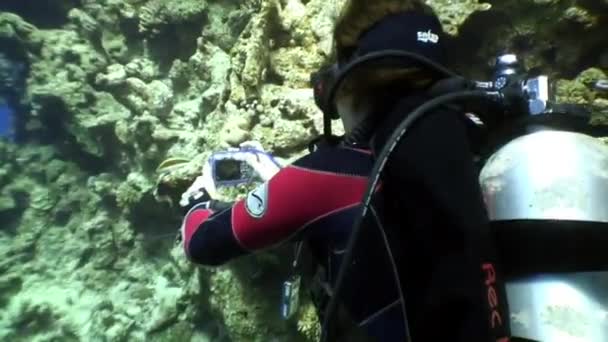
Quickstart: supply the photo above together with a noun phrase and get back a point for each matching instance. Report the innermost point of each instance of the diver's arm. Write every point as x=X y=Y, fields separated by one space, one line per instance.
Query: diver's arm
x=275 y=212
x=207 y=235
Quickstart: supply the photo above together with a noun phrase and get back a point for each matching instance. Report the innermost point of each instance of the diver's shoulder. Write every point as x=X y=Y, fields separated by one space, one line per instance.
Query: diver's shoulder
x=341 y=149
x=337 y=159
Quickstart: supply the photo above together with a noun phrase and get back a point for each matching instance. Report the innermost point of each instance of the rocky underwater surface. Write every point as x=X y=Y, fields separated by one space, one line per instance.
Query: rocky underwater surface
x=114 y=87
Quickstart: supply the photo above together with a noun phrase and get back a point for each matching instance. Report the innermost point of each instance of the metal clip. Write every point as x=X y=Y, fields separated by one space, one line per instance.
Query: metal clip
x=290 y=296
x=290 y=300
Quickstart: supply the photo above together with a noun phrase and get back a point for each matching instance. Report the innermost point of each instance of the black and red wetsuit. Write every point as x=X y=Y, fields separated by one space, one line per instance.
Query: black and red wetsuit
x=315 y=199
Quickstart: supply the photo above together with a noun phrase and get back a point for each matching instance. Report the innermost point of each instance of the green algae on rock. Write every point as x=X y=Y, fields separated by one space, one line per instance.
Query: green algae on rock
x=560 y=36
x=580 y=90
x=156 y=15
x=453 y=14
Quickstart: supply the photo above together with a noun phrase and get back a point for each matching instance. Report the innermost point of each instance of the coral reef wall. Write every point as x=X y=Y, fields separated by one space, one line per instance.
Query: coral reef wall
x=113 y=87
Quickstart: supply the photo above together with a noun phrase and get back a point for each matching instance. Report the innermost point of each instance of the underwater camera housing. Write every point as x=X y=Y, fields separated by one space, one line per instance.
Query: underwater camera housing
x=242 y=165
x=229 y=171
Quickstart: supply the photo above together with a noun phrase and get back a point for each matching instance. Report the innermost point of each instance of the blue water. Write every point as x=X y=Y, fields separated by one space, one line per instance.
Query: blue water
x=7 y=128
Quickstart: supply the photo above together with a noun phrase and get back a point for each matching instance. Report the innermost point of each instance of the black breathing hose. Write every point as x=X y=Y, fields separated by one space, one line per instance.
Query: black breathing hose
x=378 y=56
x=379 y=165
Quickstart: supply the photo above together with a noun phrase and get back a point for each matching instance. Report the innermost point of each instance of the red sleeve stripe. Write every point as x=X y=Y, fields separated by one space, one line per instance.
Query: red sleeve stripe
x=193 y=220
x=362 y=150
x=329 y=173
x=296 y=197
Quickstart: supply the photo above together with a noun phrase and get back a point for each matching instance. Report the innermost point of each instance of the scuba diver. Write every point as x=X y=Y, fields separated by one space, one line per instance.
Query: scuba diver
x=12 y=84
x=430 y=204
x=456 y=285
x=313 y=200
x=6 y=121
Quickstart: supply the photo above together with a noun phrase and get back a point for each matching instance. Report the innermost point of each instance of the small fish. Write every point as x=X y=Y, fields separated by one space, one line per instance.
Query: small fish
x=171 y=163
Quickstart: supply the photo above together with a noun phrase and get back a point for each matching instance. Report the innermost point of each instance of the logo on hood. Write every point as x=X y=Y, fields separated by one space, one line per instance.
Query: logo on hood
x=428 y=37
x=256 y=202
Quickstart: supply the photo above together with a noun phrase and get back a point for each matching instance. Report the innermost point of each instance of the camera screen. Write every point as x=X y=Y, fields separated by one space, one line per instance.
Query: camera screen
x=228 y=170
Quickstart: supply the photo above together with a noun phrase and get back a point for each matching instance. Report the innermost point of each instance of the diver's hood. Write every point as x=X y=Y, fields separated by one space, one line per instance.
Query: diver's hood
x=414 y=33
x=547 y=198
x=411 y=41
x=411 y=31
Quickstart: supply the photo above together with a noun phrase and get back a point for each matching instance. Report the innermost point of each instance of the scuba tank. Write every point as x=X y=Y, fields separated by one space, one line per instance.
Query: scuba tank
x=545 y=186
x=547 y=197
x=544 y=181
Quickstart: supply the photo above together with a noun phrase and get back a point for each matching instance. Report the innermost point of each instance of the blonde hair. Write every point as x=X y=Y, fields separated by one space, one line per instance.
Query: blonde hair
x=363 y=86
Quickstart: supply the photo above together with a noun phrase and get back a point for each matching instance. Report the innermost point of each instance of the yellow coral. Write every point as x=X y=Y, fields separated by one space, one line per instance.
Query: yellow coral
x=308 y=322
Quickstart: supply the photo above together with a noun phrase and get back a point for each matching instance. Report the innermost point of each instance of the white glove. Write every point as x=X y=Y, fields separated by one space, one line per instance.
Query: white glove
x=253 y=154
x=202 y=189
